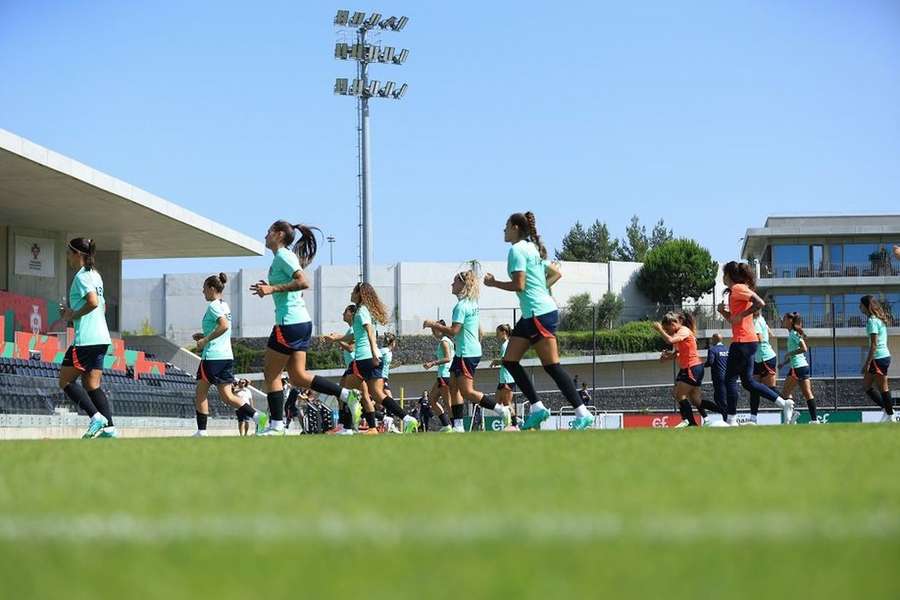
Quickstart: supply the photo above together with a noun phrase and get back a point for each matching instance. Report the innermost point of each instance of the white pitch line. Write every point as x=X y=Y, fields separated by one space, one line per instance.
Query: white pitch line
x=547 y=527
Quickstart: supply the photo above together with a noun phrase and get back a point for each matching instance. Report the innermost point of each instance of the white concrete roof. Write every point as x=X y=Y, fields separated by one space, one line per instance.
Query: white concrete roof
x=41 y=189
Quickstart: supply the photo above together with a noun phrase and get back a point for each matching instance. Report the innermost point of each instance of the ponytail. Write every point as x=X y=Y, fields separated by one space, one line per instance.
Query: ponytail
x=216 y=282
x=797 y=323
x=875 y=308
x=527 y=226
x=688 y=321
x=305 y=246
x=86 y=248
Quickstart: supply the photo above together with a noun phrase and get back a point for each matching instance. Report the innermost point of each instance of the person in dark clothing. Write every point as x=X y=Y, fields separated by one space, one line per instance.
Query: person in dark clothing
x=716 y=360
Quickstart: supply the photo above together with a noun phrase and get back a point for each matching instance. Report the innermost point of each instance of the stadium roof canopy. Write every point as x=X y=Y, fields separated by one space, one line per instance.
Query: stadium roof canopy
x=41 y=189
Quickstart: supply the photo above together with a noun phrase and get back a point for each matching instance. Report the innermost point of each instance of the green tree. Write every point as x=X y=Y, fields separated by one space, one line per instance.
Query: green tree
x=608 y=309
x=593 y=244
x=677 y=270
x=575 y=245
x=636 y=244
x=577 y=314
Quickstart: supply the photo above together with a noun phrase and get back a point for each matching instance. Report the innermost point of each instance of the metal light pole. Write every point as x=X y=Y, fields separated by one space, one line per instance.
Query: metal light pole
x=330 y=240
x=363 y=89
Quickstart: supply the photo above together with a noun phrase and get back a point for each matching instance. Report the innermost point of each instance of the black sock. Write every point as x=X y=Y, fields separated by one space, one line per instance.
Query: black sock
x=392 y=407
x=754 y=403
x=370 y=419
x=684 y=407
x=875 y=397
x=76 y=394
x=323 y=386
x=276 y=406
x=444 y=419
x=246 y=411
x=811 y=405
x=201 y=421
x=888 y=402
x=345 y=417
x=702 y=411
x=522 y=380
x=564 y=383
x=487 y=402
x=458 y=411
x=709 y=405
x=98 y=397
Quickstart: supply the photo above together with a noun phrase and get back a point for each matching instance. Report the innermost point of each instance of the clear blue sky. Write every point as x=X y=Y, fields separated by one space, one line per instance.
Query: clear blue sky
x=711 y=115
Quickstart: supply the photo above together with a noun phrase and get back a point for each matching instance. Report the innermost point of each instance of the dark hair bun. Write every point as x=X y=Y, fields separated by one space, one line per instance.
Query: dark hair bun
x=223 y=278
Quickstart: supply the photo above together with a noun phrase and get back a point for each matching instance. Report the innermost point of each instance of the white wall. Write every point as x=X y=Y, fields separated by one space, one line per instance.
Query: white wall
x=412 y=292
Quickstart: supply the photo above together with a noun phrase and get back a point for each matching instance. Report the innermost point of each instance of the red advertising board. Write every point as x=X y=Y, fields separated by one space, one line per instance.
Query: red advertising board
x=652 y=420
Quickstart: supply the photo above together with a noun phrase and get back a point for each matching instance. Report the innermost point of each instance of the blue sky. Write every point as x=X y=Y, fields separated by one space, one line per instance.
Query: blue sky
x=711 y=115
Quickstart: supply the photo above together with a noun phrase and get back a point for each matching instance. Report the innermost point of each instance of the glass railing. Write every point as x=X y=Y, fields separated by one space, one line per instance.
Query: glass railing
x=885 y=268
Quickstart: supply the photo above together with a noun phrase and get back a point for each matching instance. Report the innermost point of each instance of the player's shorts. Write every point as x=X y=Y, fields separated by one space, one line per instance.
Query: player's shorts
x=464 y=366
x=287 y=339
x=800 y=373
x=880 y=366
x=86 y=358
x=692 y=376
x=766 y=368
x=538 y=327
x=443 y=382
x=365 y=369
x=216 y=372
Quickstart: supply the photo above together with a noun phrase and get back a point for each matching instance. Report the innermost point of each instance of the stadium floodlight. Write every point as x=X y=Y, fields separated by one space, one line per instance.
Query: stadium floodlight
x=386 y=90
x=386 y=55
x=399 y=59
x=357 y=19
x=363 y=89
x=373 y=20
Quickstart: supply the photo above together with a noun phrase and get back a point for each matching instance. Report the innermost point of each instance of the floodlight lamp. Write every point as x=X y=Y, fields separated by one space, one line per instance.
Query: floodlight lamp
x=373 y=87
x=387 y=90
x=373 y=20
x=357 y=19
x=400 y=92
x=401 y=23
x=389 y=23
x=386 y=55
x=399 y=59
x=341 y=51
x=342 y=17
x=356 y=89
x=340 y=87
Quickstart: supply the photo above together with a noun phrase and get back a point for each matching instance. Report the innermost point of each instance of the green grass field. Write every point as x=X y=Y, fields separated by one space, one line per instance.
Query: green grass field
x=763 y=512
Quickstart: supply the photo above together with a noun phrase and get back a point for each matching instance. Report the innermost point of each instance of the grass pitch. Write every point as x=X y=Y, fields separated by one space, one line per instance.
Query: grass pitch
x=762 y=512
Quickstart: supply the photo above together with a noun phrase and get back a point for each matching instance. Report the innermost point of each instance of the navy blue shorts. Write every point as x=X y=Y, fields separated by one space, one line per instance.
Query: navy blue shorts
x=464 y=366
x=766 y=368
x=348 y=370
x=443 y=382
x=86 y=358
x=216 y=372
x=287 y=339
x=365 y=369
x=799 y=373
x=537 y=328
x=878 y=366
x=692 y=376
x=506 y=386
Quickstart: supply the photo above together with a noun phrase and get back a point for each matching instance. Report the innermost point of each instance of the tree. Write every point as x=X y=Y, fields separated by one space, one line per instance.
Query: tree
x=677 y=270
x=577 y=314
x=608 y=309
x=604 y=246
x=636 y=244
x=588 y=245
x=575 y=245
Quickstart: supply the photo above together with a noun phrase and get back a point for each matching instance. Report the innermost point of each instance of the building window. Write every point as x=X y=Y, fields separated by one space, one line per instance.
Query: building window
x=790 y=260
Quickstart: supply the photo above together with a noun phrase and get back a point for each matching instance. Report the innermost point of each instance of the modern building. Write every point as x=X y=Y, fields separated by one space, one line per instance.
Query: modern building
x=47 y=198
x=819 y=267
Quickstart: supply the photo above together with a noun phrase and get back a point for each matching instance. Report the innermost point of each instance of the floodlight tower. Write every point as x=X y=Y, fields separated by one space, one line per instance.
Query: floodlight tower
x=364 y=89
